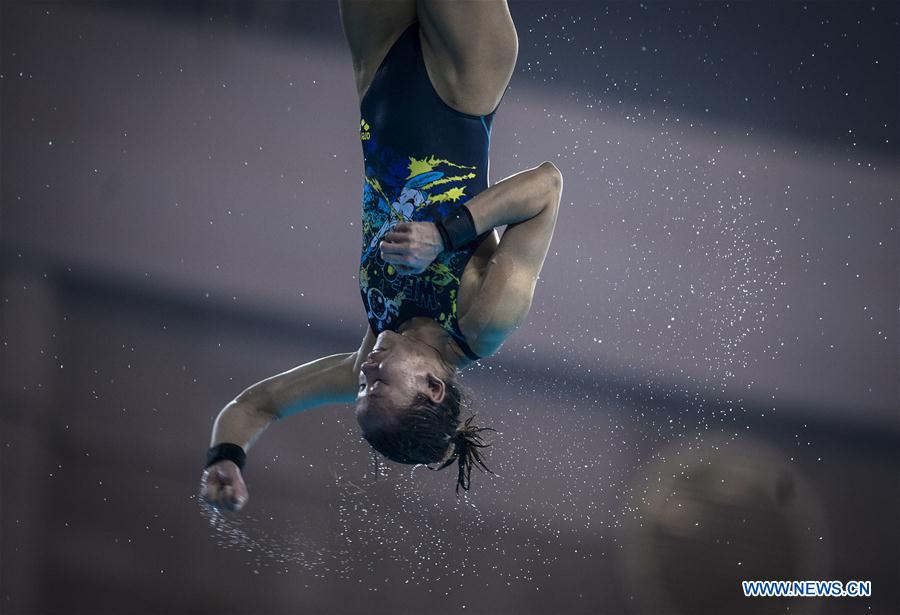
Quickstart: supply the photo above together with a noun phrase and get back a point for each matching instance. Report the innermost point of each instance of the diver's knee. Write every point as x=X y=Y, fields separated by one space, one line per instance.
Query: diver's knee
x=552 y=175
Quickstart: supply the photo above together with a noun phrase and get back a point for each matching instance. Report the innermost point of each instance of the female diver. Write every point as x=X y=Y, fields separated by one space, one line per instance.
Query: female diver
x=440 y=288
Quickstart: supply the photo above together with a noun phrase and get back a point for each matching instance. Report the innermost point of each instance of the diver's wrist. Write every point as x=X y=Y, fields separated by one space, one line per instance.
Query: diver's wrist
x=457 y=229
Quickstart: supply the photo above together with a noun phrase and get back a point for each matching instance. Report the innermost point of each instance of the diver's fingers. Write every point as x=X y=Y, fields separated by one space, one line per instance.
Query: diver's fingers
x=402 y=227
x=223 y=486
x=401 y=257
x=215 y=482
x=397 y=238
x=388 y=247
x=395 y=259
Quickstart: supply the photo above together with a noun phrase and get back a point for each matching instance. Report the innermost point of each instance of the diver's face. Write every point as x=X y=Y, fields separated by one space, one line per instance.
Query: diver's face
x=397 y=369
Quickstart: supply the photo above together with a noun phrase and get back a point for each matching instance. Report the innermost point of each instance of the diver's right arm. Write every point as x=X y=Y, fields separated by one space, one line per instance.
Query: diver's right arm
x=329 y=380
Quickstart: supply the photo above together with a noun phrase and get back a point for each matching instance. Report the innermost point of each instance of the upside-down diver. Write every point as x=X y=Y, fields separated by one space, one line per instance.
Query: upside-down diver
x=440 y=287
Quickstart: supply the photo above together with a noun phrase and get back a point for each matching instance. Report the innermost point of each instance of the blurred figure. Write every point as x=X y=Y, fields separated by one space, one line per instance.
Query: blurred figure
x=716 y=515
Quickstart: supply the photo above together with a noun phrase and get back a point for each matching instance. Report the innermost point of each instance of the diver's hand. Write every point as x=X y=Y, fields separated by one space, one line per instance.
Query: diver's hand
x=223 y=487
x=411 y=246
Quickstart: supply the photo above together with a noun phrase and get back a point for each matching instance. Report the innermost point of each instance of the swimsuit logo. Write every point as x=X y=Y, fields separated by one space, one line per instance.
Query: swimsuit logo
x=364 y=133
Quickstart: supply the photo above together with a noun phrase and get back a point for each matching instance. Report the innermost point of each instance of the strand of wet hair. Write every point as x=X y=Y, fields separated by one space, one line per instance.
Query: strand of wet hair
x=467 y=442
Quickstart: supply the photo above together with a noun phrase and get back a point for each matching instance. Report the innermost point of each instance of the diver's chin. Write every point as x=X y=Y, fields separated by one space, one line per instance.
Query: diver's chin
x=383 y=341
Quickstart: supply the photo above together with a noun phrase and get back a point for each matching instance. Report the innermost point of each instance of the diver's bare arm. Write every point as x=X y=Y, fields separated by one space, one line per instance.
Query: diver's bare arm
x=529 y=198
x=517 y=198
x=529 y=204
x=243 y=420
x=328 y=380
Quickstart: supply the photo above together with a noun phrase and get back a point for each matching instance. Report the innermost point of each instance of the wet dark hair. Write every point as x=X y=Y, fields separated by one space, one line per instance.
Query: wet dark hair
x=426 y=431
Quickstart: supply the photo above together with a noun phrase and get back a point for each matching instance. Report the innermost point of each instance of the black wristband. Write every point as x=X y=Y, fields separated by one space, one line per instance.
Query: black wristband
x=444 y=235
x=457 y=229
x=226 y=450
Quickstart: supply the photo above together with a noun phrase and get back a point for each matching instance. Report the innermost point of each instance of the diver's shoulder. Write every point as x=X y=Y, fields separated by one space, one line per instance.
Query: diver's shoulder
x=498 y=305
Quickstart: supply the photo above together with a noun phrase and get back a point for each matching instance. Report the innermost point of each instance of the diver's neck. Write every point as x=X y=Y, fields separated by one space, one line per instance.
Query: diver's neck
x=428 y=331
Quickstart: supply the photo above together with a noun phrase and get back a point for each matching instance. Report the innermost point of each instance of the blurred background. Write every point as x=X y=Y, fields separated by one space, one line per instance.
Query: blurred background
x=706 y=389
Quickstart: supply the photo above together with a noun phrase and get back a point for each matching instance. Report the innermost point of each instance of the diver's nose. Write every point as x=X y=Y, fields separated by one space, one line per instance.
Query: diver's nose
x=368 y=368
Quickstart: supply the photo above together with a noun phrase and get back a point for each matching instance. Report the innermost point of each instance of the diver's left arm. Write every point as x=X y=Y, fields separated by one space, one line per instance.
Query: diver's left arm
x=331 y=379
x=328 y=380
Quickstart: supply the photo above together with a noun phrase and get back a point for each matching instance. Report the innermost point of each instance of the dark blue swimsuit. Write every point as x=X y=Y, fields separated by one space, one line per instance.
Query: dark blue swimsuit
x=423 y=160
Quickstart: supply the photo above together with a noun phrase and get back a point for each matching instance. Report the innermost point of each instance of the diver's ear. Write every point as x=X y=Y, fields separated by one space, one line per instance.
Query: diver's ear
x=436 y=388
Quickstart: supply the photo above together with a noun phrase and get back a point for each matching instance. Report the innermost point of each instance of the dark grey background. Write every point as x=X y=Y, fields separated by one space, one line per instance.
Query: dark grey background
x=706 y=389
